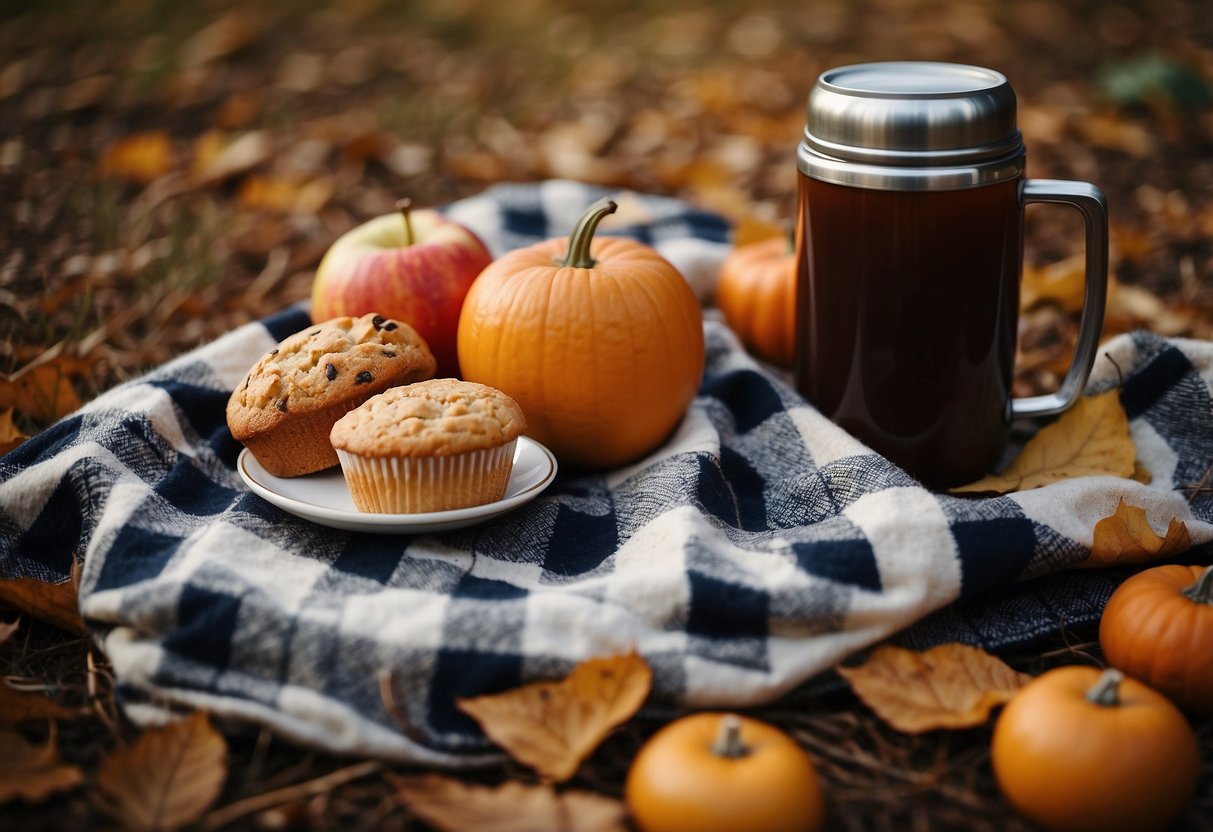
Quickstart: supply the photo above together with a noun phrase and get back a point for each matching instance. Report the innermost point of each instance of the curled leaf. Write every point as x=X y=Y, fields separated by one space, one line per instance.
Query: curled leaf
x=553 y=726
x=167 y=778
x=1127 y=538
x=17 y=706
x=1090 y=439
x=31 y=772
x=10 y=435
x=950 y=686
x=450 y=804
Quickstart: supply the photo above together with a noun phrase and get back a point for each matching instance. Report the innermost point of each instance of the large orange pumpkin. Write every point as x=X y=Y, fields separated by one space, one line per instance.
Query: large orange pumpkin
x=600 y=341
x=756 y=291
x=1158 y=627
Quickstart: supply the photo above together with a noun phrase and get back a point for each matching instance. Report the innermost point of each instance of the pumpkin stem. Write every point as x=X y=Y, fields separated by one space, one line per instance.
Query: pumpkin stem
x=579 y=241
x=1106 y=691
x=403 y=206
x=1201 y=592
x=728 y=741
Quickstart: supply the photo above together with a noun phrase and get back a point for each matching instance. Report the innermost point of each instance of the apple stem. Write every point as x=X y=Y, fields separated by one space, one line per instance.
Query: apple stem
x=403 y=206
x=578 y=256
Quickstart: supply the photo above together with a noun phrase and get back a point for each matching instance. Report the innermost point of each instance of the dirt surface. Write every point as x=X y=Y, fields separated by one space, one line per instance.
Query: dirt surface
x=169 y=171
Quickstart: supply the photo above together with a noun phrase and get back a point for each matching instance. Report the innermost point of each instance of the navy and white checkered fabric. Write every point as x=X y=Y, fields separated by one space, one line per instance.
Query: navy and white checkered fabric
x=759 y=547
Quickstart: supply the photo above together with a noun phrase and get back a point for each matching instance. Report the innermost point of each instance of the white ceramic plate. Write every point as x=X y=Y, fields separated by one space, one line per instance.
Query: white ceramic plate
x=324 y=498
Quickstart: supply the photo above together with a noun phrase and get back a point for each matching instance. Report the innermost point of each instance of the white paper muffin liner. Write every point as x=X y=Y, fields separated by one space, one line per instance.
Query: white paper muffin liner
x=408 y=485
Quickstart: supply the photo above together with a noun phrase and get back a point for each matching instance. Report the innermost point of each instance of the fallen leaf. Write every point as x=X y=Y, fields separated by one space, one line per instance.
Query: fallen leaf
x=217 y=159
x=1127 y=538
x=753 y=230
x=1062 y=282
x=168 y=778
x=17 y=706
x=31 y=772
x=450 y=804
x=553 y=726
x=1090 y=439
x=43 y=392
x=142 y=157
x=55 y=604
x=286 y=196
x=226 y=36
x=949 y=686
x=10 y=435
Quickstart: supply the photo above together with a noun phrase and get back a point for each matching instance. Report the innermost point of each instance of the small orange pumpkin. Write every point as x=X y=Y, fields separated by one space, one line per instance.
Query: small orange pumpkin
x=600 y=341
x=1158 y=627
x=756 y=291
x=1079 y=750
x=714 y=772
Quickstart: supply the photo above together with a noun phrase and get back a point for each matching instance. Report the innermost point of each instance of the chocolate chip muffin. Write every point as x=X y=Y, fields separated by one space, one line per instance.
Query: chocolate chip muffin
x=430 y=446
x=285 y=408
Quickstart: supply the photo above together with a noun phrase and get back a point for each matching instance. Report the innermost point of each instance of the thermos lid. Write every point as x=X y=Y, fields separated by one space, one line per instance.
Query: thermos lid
x=911 y=125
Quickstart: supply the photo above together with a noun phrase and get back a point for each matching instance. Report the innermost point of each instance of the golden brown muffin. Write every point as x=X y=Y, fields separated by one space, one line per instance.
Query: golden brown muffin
x=430 y=446
x=287 y=405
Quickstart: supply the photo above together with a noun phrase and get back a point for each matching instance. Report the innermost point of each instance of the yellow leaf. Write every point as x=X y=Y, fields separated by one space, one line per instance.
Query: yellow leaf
x=449 y=804
x=1090 y=439
x=753 y=230
x=167 y=778
x=143 y=157
x=10 y=435
x=31 y=772
x=950 y=686
x=1126 y=538
x=17 y=706
x=553 y=726
x=53 y=603
x=1061 y=282
x=286 y=196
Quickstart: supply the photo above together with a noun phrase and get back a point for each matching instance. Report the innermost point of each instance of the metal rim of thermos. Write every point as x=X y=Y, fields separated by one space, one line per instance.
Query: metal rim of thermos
x=942 y=138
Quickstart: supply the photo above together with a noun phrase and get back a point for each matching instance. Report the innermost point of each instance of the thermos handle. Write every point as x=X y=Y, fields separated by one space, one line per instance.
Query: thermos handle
x=1089 y=200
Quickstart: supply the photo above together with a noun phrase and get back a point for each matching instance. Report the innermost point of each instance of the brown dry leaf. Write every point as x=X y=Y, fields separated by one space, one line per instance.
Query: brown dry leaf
x=1127 y=538
x=168 y=778
x=10 y=435
x=285 y=196
x=43 y=392
x=143 y=157
x=31 y=772
x=450 y=804
x=949 y=686
x=1090 y=439
x=217 y=159
x=17 y=706
x=553 y=726
x=53 y=603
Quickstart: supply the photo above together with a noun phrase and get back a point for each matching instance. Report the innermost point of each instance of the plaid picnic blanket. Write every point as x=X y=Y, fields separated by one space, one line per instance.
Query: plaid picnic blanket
x=756 y=549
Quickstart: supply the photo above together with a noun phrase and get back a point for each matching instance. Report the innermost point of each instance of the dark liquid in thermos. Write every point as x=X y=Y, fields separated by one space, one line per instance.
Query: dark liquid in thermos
x=908 y=302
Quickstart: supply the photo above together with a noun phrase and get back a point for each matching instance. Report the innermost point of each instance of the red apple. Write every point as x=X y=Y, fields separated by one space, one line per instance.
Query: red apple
x=415 y=266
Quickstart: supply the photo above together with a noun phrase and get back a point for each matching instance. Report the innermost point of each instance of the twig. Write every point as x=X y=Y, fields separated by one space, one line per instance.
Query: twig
x=268 y=800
